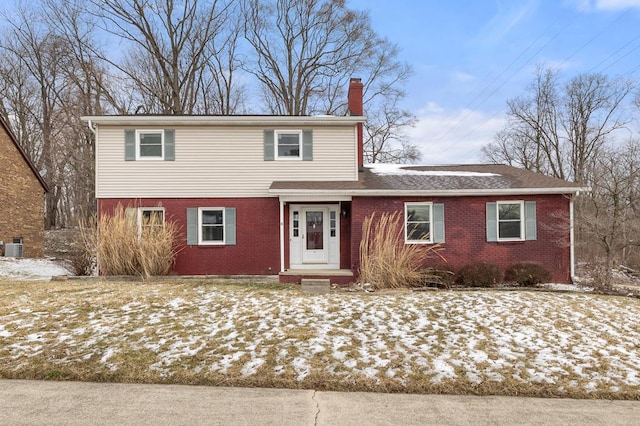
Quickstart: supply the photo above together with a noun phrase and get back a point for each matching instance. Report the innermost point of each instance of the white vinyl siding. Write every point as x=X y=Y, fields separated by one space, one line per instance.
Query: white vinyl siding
x=219 y=161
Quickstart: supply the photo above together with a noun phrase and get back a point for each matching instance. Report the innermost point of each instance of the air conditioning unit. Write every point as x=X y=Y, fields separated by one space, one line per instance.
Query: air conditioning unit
x=13 y=250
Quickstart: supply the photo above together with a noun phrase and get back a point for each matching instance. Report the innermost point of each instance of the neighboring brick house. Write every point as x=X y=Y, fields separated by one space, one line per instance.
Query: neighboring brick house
x=288 y=195
x=22 y=192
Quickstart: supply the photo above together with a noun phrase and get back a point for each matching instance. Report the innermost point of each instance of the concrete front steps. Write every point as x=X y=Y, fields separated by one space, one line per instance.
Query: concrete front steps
x=333 y=276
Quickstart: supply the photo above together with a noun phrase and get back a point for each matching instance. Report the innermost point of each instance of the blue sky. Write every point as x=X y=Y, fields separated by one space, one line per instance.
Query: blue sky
x=469 y=57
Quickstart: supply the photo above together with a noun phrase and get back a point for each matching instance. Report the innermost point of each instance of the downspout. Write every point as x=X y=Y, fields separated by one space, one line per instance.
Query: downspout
x=93 y=130
x=572 y=241
x=281 y=236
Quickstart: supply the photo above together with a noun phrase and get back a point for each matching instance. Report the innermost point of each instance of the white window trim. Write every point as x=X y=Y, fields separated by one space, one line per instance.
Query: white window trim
x=522 y=219
x=147 y=131
x=224 y=228
x=275 y=143
x=406 y=237
x=152 y=209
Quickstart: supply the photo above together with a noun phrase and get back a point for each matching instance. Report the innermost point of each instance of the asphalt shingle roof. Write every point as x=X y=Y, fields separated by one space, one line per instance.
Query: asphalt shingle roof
x=480 y=177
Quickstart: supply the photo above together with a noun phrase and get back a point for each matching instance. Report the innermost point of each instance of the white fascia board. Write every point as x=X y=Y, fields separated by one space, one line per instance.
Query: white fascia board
x=247 y=120
x=412 y=193
x=313 y=198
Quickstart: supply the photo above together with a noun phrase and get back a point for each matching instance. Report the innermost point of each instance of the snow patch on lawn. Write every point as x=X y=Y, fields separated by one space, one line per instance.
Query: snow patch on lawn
x=30 y=269
x=476 y=336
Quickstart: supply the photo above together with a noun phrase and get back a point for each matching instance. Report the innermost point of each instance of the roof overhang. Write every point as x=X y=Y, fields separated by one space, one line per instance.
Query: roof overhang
x=333 y=194
x=24 y=155
x=218 y=120
x=313 y=198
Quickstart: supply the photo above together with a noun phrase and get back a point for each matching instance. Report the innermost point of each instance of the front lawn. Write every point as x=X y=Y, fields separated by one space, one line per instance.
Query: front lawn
x=201 y=332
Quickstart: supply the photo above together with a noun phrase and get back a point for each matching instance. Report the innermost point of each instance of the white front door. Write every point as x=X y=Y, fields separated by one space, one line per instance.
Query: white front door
x=314 y=237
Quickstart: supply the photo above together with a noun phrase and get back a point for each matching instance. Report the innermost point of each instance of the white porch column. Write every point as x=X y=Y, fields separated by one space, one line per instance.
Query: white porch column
x=571 y=241
x=281 y=235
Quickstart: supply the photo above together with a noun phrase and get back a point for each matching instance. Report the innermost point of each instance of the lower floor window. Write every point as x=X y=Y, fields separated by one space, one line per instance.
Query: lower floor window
x=418 y=219
x=211 y=222
x=150 y=219
x=510 y=223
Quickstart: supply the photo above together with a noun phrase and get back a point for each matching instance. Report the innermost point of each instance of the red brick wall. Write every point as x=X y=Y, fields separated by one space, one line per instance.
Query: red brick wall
x=21 y=200
x=465 y=233
x=257 y=249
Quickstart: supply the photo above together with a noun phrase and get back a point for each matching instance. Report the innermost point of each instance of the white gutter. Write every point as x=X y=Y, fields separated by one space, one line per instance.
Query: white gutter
x=90 y=124
x=422 y=193
x=281 y=236
x=572 y=242
x=226 y=120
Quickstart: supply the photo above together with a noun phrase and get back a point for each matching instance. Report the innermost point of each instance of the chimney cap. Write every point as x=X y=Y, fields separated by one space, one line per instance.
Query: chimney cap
x=355 y=80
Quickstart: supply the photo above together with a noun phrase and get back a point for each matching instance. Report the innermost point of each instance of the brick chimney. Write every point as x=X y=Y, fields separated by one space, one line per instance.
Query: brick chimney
x=354 y=98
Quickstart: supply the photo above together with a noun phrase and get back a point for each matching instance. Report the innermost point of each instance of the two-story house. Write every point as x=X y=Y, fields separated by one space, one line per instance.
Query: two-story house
x=288 y=195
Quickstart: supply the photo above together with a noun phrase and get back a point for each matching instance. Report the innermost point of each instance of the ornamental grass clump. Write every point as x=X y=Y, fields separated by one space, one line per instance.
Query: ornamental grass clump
x=123 y=246
x=386 y=261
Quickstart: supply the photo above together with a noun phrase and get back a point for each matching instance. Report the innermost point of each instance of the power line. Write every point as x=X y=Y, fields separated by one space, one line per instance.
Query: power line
x=486 y=87
x=614 y=54
x=493 y=92
x=588 y=42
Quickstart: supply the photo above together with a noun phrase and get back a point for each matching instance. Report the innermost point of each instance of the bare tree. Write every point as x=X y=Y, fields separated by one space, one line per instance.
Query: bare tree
x=592 y=113
x=608 y=215
x=556 y=129
x=305 y=52
x=49 y=79
x=38 y=55
x=385 y=140
x=298 y=44
x=172 y=61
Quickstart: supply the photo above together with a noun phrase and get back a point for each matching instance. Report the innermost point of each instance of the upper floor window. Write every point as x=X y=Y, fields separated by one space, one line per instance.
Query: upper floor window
x=289 y=144
x=149 y=144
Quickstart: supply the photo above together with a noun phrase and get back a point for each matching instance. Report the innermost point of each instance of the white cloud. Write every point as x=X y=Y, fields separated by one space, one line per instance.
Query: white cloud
x=454 y=137
x=508 y=16
x=607 y=5
x=617 y=4
x=463 y=77
x=432 y=107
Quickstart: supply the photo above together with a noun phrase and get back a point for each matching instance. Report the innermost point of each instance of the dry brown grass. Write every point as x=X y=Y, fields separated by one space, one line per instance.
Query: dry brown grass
x=120 y=247
x=386 y=261
x=182 y=331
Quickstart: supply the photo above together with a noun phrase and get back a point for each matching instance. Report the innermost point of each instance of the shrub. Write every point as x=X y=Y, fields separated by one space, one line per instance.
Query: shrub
x=527 y=274
x=121 y=248
x=385 y=260
x=436 y=276
x=480 y=274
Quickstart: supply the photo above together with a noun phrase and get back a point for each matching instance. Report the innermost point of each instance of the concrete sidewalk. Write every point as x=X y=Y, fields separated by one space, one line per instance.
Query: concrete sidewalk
x=73 y=403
